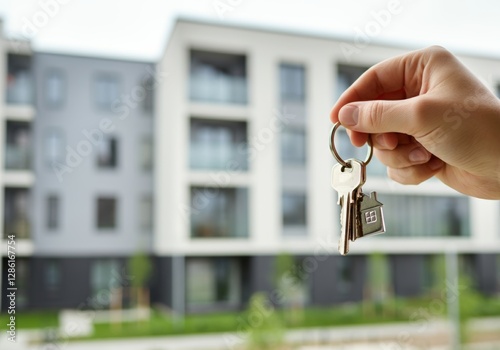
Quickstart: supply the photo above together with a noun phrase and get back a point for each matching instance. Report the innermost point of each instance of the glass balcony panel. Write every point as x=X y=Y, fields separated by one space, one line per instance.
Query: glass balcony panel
x=18 y=146
x=19 y=87
x=218 y=77
x=426 y=216
x=16 y=212
x=219 y=212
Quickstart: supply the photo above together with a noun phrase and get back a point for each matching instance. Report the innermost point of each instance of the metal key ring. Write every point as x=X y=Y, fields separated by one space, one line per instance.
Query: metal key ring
x=337 y=155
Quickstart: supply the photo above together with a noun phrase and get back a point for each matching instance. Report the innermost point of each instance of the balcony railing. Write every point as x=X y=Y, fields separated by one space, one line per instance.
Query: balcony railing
x=218 y=156
x=19 y=88
x=17 y=158
x=218 y=88
x=18 y=226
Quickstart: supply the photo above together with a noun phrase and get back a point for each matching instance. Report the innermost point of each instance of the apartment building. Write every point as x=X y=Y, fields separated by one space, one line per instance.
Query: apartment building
x=243 y=174
x=17 y=112
x=238 y=134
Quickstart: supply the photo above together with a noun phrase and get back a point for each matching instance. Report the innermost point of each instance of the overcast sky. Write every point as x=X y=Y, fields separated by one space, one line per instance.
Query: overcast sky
x=139 y=29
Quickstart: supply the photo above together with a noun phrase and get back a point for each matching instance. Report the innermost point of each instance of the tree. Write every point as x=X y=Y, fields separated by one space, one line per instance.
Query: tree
x=265 y=328
x=140 y=268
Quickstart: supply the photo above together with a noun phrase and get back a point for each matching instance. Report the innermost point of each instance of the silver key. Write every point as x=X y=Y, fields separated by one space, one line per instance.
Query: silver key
x=347 y=181
x=370 y=216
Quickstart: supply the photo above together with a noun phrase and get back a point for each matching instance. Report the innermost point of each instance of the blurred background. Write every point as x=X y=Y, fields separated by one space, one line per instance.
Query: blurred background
x=165 y=171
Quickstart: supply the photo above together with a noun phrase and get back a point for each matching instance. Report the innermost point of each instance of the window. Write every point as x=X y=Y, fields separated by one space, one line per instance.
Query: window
x=146 y=213
x=218 y=145
x=426 y=215
x=294 y=209
x=54 y=147
x=146 y=153
x=18 y=152
x=106 y=91
x=19 y=87
x=52 y=275
x=148 y=102
x=213 y=281
x=107 y=153
x=106 y=213
x=292 y=82
x=55 y=86
x=346 y=75
x=52 y=212
x=345 y=273
x=293 y=146
x=104 y=276
x=219 y=212
x=17 y=204
x=218 y=77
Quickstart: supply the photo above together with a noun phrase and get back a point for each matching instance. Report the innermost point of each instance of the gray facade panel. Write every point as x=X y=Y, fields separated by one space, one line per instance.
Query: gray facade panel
x=486 y=273
x=82 y=181
x=407 y=274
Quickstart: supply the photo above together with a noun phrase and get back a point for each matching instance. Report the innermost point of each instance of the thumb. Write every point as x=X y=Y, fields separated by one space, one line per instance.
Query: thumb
x=374 y=117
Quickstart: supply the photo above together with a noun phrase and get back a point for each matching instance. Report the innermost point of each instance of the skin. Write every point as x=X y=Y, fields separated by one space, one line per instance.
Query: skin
x=427 y=115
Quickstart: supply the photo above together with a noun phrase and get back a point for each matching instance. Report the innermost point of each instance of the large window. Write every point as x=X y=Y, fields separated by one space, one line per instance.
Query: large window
x=106 y=90
x=146 y=157
x=146 y=213
x=18 y=146
x=106 y=213
x=218 y=77
x=104 y=277
x=107 y=153
x=218 y=145
x=52 y=212
x=55 y=86
x=54 y=147
x=17 y=212
x=292 y=82
x=213 y=282
x=52 y=276
x=293 y=146
x=219 y=212
x=426 y=215
x=294 y=213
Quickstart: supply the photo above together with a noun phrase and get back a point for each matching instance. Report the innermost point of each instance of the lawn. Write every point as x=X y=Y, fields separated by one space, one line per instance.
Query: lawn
x=345 y=314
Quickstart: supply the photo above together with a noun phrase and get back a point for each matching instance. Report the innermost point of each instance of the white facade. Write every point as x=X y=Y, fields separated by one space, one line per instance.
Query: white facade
x=264 y=51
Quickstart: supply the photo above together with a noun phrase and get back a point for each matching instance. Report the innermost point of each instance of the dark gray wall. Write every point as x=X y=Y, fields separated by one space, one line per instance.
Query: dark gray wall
x=407 y=274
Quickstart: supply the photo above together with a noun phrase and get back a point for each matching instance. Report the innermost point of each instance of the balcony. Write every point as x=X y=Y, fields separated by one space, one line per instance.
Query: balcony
x=217 y=78
x=16 y=213
x=19 y=87
x=219 y=212
x=18 y=153
x=426 y=216
x=218 y=145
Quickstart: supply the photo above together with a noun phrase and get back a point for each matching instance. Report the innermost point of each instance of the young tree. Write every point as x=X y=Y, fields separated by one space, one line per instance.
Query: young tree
x=140 y=270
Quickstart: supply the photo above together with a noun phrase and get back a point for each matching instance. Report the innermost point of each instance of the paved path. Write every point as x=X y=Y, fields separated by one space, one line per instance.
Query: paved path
x=396 y=336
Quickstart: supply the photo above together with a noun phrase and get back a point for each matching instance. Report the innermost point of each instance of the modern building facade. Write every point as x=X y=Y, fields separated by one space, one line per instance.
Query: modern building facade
x=237 y=132
x=246 y=110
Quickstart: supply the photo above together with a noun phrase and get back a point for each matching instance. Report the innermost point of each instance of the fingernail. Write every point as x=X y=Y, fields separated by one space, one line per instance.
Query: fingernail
x=348 y=115
x=435 y=163
x=418 y=155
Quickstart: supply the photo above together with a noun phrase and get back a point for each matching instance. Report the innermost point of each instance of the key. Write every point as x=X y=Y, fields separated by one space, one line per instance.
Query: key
x=370 y=216
x=347 y=181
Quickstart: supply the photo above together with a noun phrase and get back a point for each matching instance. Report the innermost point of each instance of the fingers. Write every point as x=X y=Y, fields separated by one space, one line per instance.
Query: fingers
x=396 y=78
x=413 y=175
x=403 y=156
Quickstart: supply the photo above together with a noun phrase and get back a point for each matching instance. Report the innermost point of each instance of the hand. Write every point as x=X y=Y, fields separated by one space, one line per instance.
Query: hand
x=428 y=116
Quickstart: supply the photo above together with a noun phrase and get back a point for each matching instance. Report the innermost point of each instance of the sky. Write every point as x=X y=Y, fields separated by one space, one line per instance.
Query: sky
x=134 y=29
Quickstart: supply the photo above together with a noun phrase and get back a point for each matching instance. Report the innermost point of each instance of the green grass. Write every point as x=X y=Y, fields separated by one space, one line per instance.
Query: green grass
x=31 y=320
x=396 y=310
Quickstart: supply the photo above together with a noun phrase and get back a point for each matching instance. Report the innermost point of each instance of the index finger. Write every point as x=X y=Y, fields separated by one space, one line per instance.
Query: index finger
x=396 y=78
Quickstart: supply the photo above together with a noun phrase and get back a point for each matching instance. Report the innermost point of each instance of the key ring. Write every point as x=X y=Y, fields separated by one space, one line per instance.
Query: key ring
x=337 y=155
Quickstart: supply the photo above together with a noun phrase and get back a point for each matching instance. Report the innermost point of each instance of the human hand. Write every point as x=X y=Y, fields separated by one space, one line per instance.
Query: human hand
x=428 y=116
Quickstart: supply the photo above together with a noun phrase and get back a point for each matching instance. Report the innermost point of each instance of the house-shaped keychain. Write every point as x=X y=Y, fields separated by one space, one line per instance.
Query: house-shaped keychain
x=371 y=216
